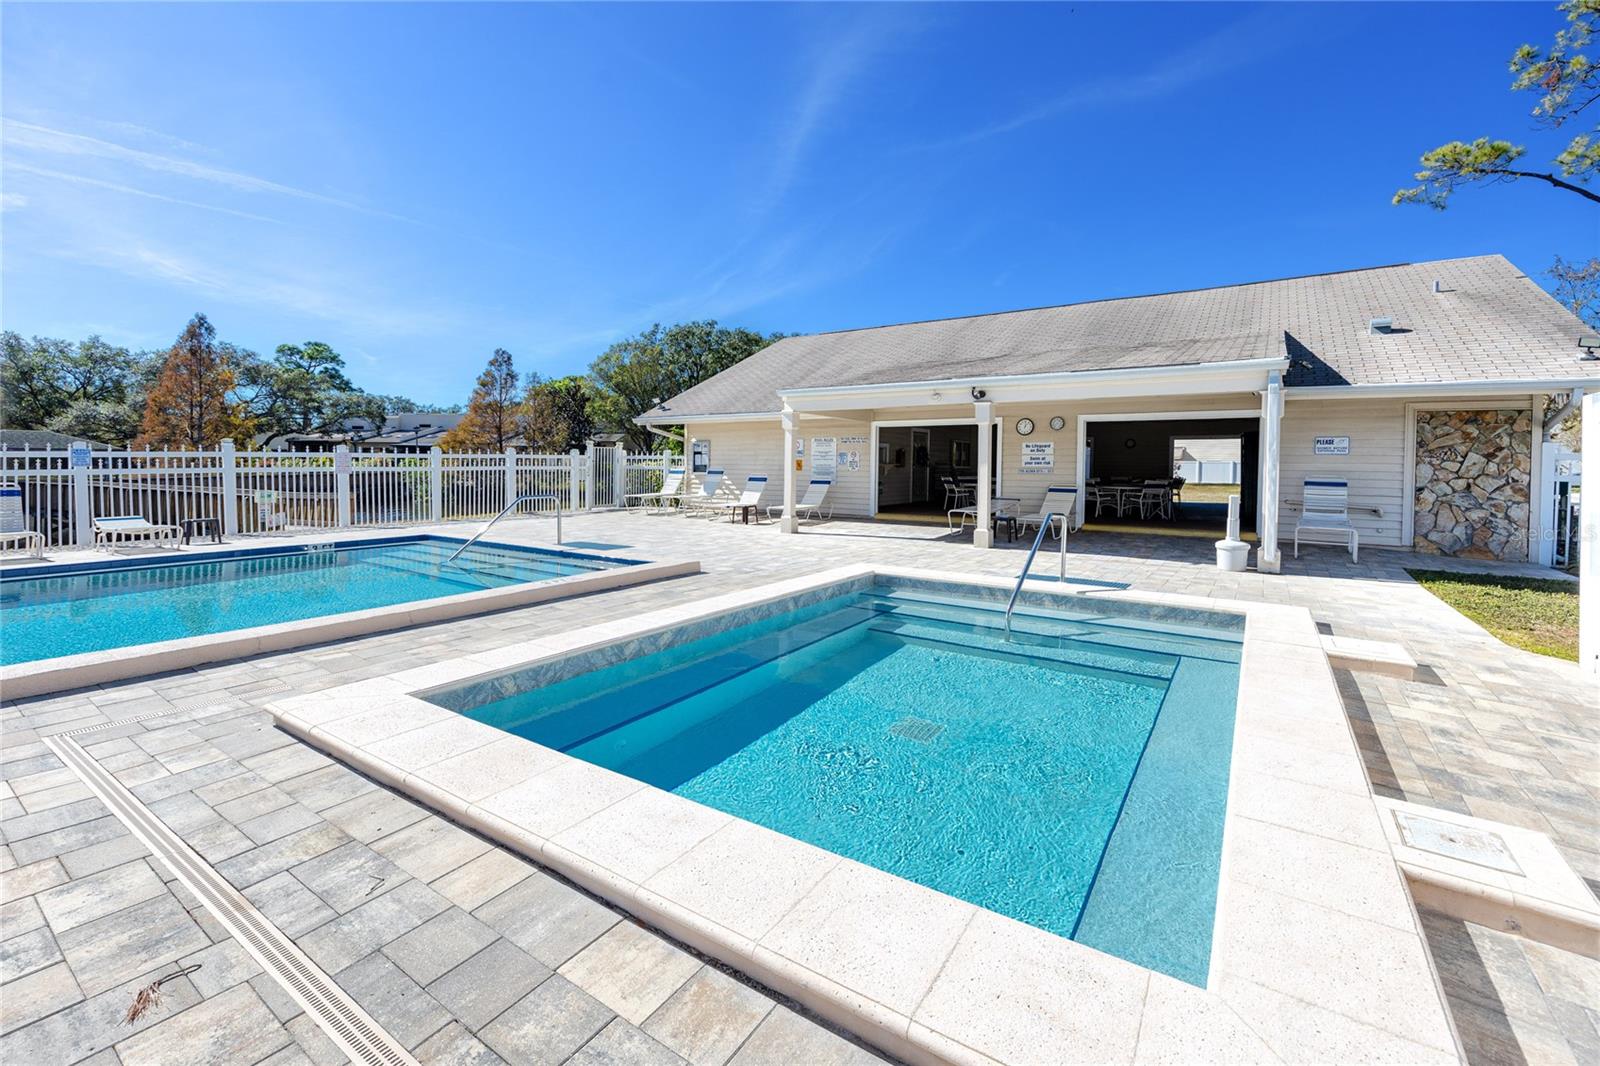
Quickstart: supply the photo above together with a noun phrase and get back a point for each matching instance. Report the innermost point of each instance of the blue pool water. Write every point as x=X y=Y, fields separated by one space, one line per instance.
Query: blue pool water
x=1075 y=778
x=123 y=605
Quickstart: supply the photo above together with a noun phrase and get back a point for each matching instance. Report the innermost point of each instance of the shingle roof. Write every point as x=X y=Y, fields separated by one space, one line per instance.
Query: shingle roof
x=43 y=438
x=1488 y=321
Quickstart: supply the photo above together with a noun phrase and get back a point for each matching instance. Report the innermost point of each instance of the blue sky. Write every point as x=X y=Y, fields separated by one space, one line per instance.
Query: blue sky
x=418 y=184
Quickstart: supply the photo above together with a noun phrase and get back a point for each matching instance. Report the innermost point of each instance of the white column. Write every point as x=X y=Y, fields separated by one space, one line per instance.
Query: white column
x=1267 y=557
x=575 y=480
x=982 y=534
x=230 y=488
x=82 y=508
x=435 y=484
x=1589 y=543
x=341 y=483
x=789 y=523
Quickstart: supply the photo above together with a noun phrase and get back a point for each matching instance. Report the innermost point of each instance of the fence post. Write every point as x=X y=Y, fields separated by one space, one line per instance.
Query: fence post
x=230 y=489
x=511 y=475
x=435 y=484
x=619 y=474
x=82 y=513
x=574 y=484
x=341 y=482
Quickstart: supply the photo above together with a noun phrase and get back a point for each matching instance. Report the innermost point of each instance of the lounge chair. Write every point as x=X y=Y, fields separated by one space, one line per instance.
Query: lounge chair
x=703 y=494
x=1325 y=508
x=117 y=529
x=812 y=501
x=13 y=524
x=1060 y=503
x=671 y=489
x=748 y=503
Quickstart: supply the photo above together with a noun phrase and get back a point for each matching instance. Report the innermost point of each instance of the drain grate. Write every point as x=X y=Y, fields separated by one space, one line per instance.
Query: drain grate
x=918 y=729
x=363 y=1039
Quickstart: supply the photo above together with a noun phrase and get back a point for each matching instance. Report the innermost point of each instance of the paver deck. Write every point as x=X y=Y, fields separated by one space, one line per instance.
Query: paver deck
x=468 y=953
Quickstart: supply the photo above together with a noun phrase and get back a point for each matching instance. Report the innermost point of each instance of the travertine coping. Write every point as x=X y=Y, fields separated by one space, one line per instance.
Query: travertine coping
x=1317 y=953
x=1547 y=901
x=44 y=676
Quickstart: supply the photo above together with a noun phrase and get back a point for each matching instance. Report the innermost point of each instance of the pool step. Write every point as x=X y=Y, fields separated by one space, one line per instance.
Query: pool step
x=1032 y=647
x=1036 y=623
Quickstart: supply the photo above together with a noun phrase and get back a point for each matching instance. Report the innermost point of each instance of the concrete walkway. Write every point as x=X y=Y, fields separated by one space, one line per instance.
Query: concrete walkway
x=469 y=953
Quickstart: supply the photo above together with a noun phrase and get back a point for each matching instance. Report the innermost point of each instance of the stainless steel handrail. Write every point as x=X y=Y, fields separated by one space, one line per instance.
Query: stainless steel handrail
x=1044 y=527
x=513 y=505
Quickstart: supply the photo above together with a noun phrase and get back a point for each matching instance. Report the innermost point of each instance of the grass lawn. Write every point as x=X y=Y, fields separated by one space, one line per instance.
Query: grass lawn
x=1529 y=613
x=1193 y=493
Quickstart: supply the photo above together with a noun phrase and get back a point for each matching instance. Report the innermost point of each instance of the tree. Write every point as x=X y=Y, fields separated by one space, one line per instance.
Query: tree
x=492 y=411
x=556 y=415
x=1577 y=288
x=636 y=374
x=192 y=403
x=82 y=388
x=394 y=405
x=1569 y=83
x=304 y=390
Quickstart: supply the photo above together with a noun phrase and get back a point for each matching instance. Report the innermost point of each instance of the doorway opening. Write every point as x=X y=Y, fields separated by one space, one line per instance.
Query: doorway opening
x=924 y=471
x=1170 y=476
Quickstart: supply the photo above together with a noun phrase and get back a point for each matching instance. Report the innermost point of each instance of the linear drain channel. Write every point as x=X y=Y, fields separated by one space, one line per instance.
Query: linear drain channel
x=363 y=1039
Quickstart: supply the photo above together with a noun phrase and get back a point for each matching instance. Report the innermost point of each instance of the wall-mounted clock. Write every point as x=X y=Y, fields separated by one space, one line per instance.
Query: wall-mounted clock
x=1024 y=426
x=1058 y=423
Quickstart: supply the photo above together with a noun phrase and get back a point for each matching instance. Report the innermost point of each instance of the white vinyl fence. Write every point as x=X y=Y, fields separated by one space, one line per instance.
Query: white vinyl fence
x=1209 y=472
x=63 y=490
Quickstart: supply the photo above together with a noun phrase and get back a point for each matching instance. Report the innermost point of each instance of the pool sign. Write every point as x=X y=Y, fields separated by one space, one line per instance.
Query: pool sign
x=266 y=497
x=1038 y=456
x=80 y=455
x=824 y=456
x=1332 y=446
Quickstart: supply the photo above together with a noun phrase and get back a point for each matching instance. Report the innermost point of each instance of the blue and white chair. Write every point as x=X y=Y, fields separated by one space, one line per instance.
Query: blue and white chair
x=811 y=502
x=1325 y=508
x=671 y=489
x=1060 y=505
x=704 y=493
x=14 y=531
x=749 y=501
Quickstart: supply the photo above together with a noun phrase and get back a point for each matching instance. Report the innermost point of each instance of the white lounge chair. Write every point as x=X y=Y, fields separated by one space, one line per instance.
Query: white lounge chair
x=1060 y=502
x=812 y=501
x=749 y=501
x=704 y=493
x=119 y=529
x=1325 y=508
x=14 y=529
x=671 y=489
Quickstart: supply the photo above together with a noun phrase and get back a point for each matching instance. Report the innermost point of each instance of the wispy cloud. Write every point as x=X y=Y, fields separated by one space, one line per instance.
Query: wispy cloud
x=30 y=136
x=1244 y=41
x=12 y=201
x=129 y=190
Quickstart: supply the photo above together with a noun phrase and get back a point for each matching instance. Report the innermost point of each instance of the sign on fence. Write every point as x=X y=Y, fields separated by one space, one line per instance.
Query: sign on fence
x=82 y=455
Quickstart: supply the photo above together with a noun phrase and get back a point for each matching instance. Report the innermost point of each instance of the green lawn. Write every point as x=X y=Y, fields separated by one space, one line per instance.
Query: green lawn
x=1208 y=493
x=1531 y=613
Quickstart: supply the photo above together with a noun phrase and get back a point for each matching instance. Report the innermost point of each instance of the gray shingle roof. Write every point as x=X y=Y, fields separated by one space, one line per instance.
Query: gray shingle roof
x=1489 y=321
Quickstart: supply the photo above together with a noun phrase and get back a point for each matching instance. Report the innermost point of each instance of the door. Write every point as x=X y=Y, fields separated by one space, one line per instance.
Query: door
x=921 y=471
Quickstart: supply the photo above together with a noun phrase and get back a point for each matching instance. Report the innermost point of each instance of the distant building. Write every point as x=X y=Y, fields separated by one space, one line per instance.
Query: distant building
x=407 y=431
x=39 y=439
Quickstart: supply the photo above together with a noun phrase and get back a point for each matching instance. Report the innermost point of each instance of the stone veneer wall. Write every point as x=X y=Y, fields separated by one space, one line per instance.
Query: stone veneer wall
x=1474 y=469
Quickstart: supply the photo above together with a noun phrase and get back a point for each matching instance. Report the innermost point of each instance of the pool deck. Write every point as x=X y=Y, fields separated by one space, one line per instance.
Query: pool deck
x=88 y=917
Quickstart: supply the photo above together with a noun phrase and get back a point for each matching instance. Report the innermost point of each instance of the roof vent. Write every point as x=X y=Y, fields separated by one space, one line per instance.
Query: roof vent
x=1438 y=286
x=1380 y=325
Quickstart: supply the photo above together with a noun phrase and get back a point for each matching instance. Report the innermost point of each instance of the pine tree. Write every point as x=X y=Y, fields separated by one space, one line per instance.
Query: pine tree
x=192 y=403
x=493 y=412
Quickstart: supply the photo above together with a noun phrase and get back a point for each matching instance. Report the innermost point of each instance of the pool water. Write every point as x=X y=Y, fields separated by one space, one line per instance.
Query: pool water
x=140 y=603
x=1074 y=778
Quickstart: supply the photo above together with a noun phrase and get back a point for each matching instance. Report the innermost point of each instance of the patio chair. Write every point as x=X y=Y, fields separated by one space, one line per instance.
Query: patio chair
x=1156 y=499
x=13 y=524
x=955 y=495
x=1325 y=508
x=704 y=494
x=671 y=489
x=748 y=502
x=113 y=530
x=1060 y=503
x=812 y=501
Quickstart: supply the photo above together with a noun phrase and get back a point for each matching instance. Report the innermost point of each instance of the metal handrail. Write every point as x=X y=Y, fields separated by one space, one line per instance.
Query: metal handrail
x=513 y=505
x=1044 y=527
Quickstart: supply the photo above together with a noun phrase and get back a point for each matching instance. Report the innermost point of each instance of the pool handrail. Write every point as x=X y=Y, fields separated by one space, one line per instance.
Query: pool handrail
x=1044 y=527
x=509 y=508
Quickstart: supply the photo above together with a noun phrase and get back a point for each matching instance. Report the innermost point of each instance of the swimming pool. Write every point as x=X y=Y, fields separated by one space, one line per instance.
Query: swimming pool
x=1074 y=778
x=108 y=605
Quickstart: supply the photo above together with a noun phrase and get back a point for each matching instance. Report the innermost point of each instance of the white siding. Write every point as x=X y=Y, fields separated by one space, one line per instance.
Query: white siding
x=1375 y=467
x=745 y=448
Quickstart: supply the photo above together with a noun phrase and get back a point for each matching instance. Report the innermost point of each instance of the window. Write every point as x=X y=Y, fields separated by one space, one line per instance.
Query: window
x=961 y=453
